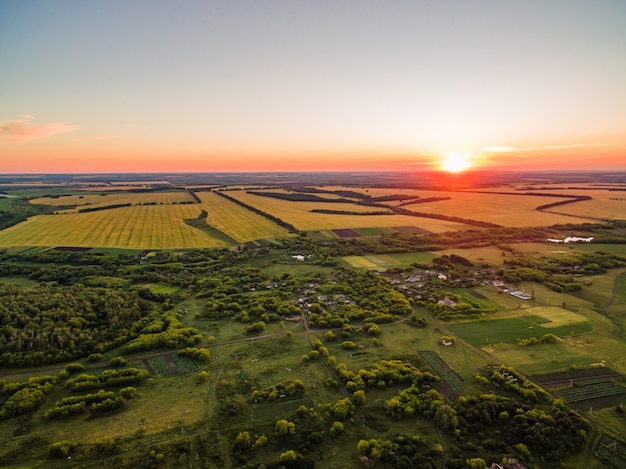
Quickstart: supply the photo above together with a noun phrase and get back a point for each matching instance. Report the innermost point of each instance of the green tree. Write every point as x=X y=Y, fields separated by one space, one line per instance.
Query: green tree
x=284 y=427
x=243 y=441
x=336 y=428
x=475 y=463
x=289 y=455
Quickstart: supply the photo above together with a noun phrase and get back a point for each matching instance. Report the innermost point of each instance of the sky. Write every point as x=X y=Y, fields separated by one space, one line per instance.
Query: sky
x=265 y=85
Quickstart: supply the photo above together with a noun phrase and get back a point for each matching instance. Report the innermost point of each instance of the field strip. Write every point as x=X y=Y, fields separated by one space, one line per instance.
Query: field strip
x=236 y=221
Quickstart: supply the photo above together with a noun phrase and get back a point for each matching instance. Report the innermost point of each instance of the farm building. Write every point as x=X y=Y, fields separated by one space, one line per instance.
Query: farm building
x=521 y=295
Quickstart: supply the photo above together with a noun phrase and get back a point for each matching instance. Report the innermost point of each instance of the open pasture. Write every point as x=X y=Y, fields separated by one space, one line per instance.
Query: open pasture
x=5 y=203
x=507 y=331
x=145 y=227
x=238 y=222
x=383 y=262
x=541 y=358
x=170 y=364
x=299 y=214
x=555 y=316
x=106 y=199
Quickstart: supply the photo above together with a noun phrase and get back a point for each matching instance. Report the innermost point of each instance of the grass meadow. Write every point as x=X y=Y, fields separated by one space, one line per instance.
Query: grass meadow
x=5 y=203
x=542 y=358
x=383 y=262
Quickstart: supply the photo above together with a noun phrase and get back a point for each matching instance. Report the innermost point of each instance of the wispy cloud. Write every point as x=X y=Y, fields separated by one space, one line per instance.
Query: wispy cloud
x=509 y=149
x=97 y=138
x=499 y=149
x=22 y=131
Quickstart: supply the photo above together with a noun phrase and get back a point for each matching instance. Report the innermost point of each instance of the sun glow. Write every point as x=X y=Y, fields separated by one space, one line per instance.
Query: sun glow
x=456 y=162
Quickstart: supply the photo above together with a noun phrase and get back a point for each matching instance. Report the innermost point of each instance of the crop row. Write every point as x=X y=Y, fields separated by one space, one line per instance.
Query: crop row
x=592 y=391
x=578 y=376
x=611 y=451
x=447 y=374
x=167 y=365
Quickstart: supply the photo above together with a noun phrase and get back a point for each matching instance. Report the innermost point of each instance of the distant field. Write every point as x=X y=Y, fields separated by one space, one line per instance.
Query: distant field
x=238 y=222
x=604 y=208
x=141 y=227
x=92 y=201
x=502 y=209
x=4 y=203
x=299 y=215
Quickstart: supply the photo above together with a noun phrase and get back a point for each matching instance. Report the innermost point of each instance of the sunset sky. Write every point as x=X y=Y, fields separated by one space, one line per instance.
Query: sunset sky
x=265 y=85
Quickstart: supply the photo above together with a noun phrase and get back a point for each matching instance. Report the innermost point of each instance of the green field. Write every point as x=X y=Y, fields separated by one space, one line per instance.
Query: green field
x=555 y=316
x=509 y=330
x=383 y=262
x=542 y=358
x=5 y=203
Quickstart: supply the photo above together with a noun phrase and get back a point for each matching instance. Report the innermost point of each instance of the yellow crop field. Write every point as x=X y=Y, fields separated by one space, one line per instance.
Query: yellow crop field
x=360 y=262
x=96 y=200
x=238 y=222
x=501 y=209
x=299 y=215
x=604 y=204
x=142 y=227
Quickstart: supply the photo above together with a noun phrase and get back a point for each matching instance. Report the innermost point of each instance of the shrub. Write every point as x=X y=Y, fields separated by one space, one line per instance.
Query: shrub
x=61 y=449
x=119 y=361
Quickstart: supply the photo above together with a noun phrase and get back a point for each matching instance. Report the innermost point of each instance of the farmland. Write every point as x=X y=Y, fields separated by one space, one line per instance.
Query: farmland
x=236 y=221
x=512 y=329
x=105 y=199
x=453 y=382
x=146 y=227
x=322 y=339
x=299 y=214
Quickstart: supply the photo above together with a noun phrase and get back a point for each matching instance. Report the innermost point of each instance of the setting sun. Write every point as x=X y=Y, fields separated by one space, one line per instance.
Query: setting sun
x=456 y=162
